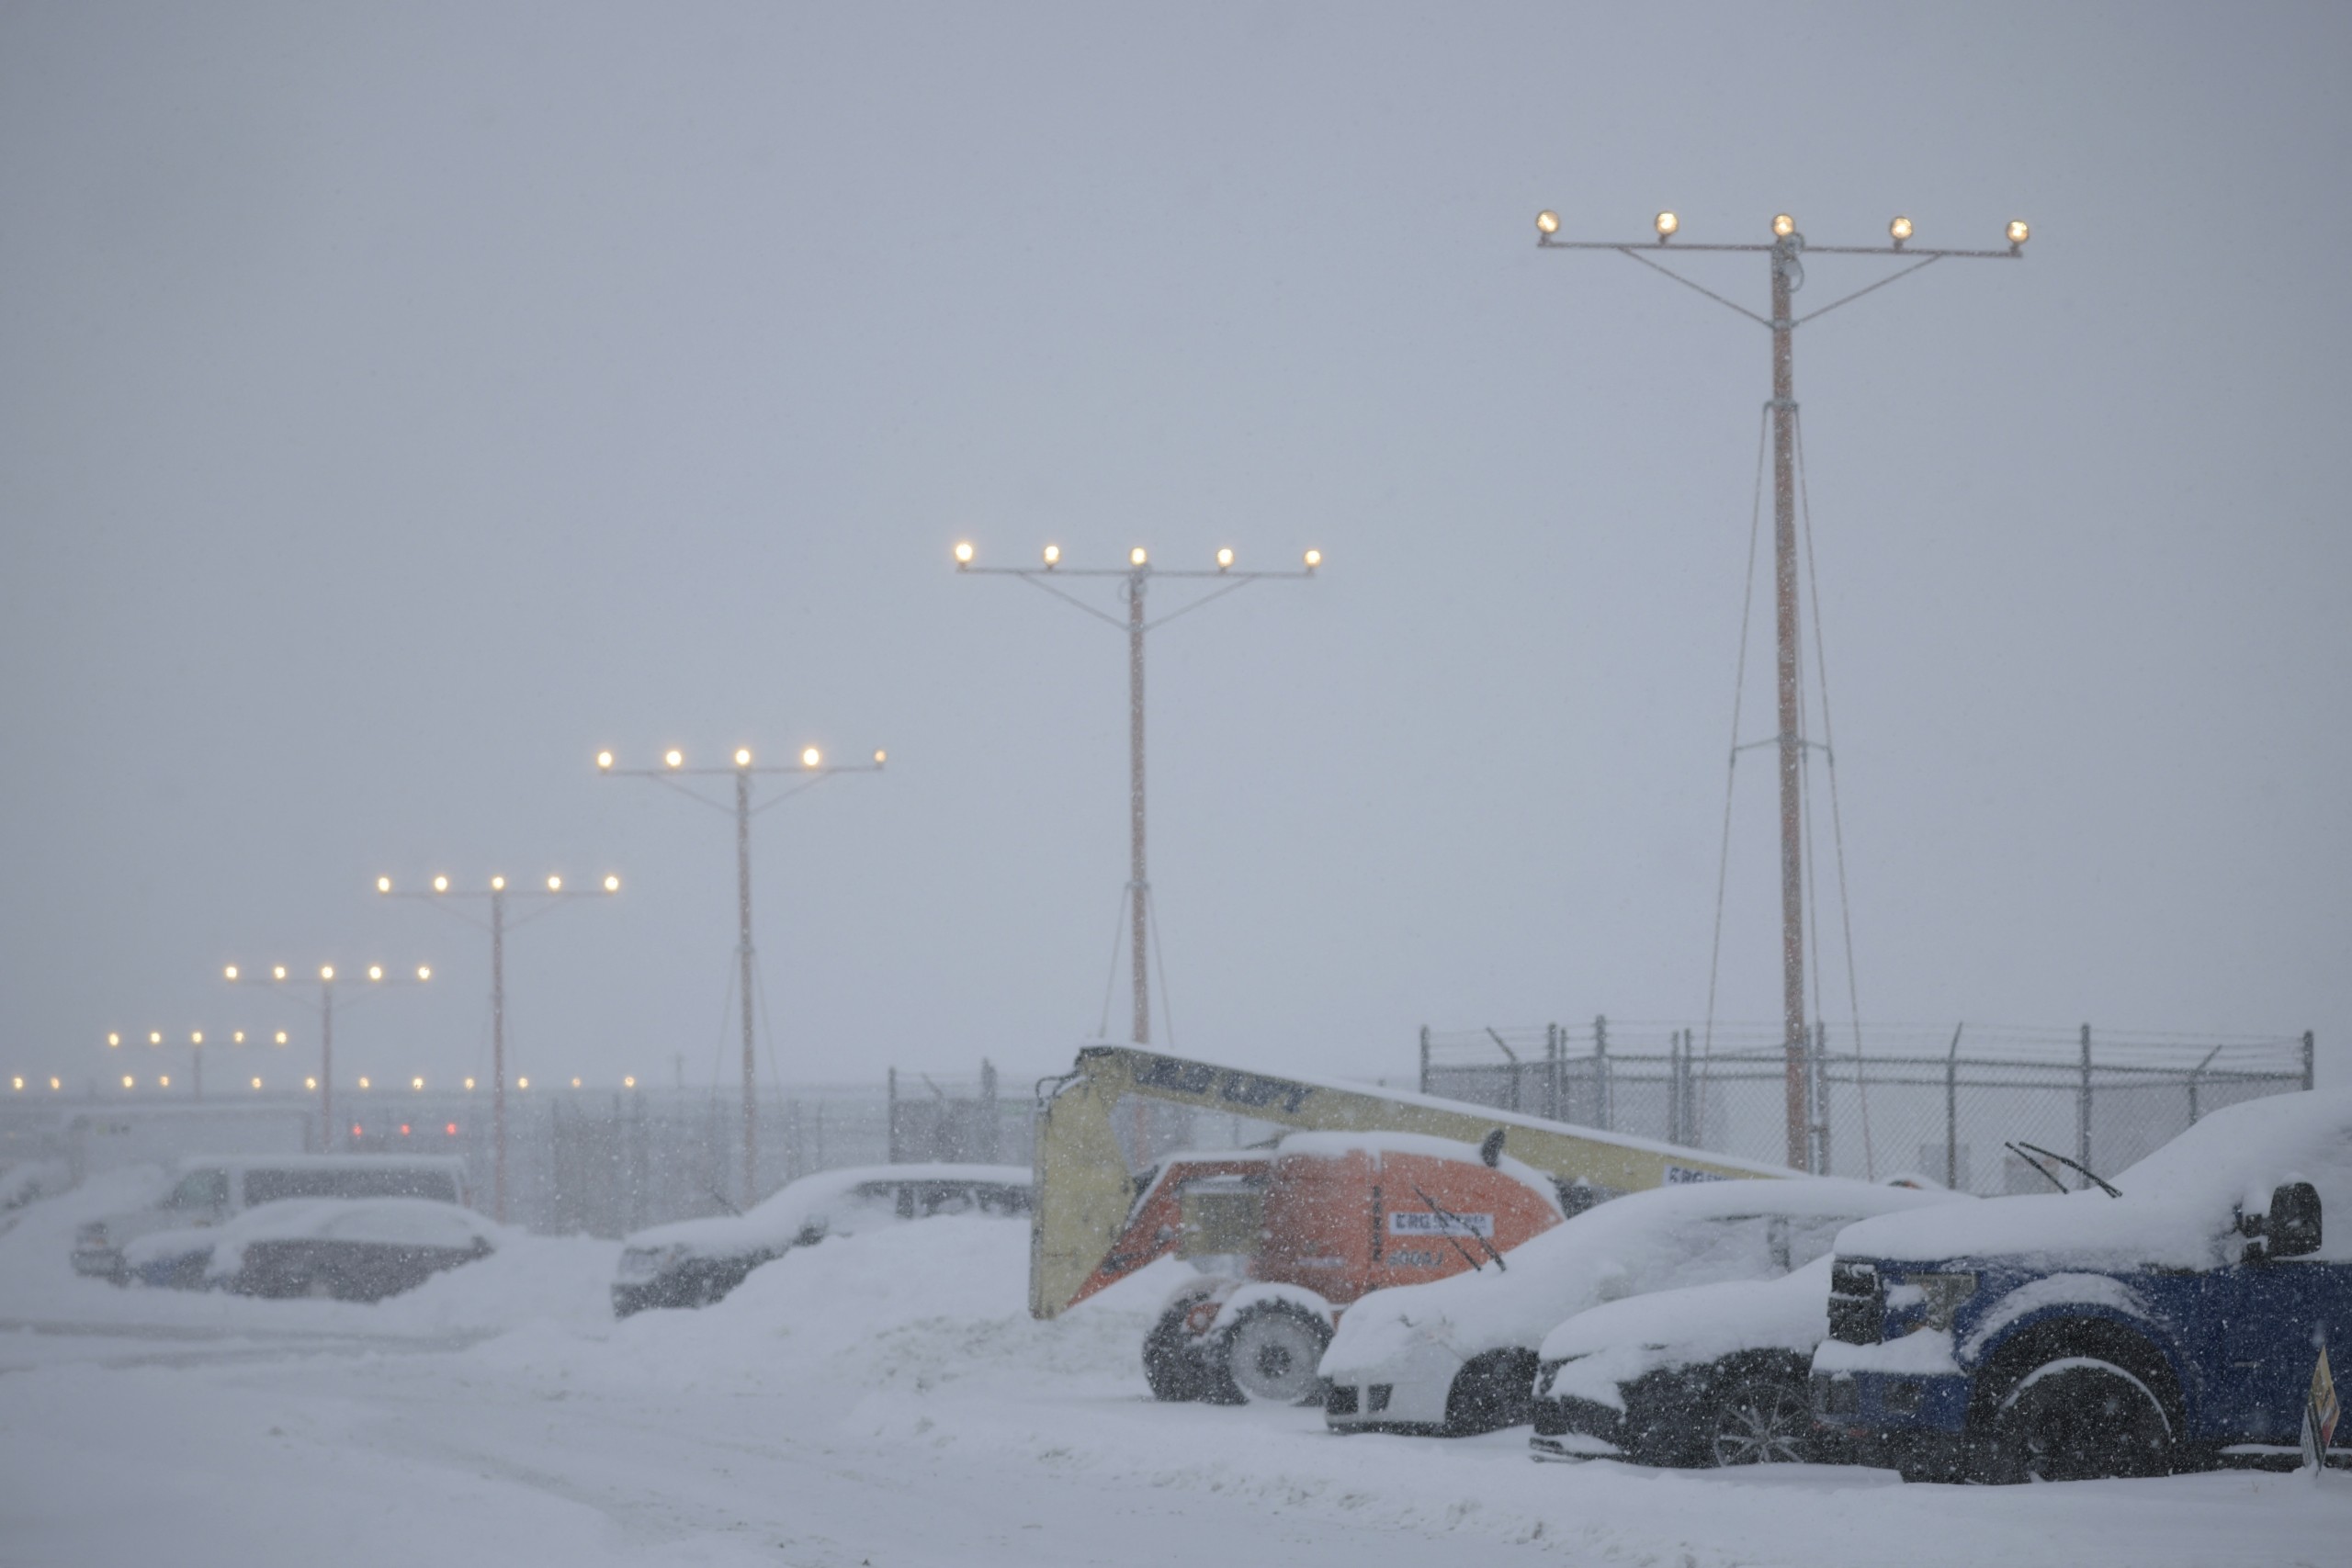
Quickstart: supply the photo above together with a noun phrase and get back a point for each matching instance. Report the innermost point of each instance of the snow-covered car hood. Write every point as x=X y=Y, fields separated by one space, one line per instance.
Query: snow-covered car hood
x=1643 y=1242
x=382 y=1221
x=828 y=1203
x=1619 y=1341
x=2178 y=1205
x=157 y=1246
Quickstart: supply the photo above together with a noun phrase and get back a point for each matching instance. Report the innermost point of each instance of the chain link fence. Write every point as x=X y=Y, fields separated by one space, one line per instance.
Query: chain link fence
x=1941 y=1101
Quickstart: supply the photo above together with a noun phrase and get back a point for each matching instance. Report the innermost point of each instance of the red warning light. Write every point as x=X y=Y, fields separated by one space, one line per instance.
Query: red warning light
x=451 y=1128
x=357 y=1130
x=403 y=1129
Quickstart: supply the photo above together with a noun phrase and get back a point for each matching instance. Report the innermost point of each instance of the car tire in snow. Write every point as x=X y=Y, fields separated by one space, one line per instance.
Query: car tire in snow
x=2075 y=1419
x=1491 y=1391
x=1271 y=1354
x=1172 y=1363
x=1760 y=1419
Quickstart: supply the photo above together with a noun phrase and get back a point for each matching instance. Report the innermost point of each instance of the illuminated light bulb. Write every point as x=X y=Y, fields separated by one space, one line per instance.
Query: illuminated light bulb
x=327 y=971
x=363 y=1083
x=424 y=971
x=279 y=972
x=56 y=1083
x=555 y=884
x=416 y=1083
x=451 y=1128
x=1666 y=225
x=17 y=1083
x=811 y=756
x=612 y=884
x=1053 y=554
x=964 y=553
x=1138 y=556
x=673 y=758
x=281 y=1037
x=257 y=1083
x=1547 y=222
x=310 y=1083
x=1900 y=230
x=521 y=1083
x=375 y=971
x=196 y=1038
x=383 y=884
x=126 y=1081
x=470 y=1084
x=743 y=757
x=1783 y=225
x=440 y=885
x=880 y=758
x=604 y=759
x=231 y=971
x=1223 y=559
x=238 y=1038
x=114 y=1039
x=498 y=885
x=575 y=1083
x=155 y=1038
x=164 y=1082
x=628 y=1083
x=2018 y=231
x=1314 y=560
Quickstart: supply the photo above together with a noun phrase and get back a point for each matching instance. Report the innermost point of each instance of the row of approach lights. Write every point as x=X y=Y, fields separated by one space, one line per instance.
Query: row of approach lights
x=18 y=1082
x=1139 y=557
x=1668 y=224
x=674 y=760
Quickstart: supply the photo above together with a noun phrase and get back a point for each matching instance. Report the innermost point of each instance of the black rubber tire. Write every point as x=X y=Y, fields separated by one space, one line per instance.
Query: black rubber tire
x=1271 y=1352
x=1759 y=1419
x=1170 y=1367
x=1491 y=1391
x=2077 y=1419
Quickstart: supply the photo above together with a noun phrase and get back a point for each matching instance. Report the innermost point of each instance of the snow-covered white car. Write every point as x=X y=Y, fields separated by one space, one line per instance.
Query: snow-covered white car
x=359 y=1249
x=206 y=1192
x=692 y=1263
x=1705 y=1375
x=1458 y=1355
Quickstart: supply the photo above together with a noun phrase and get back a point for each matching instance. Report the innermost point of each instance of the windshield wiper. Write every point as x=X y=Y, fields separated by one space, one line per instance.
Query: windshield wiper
x=1443 y=1215
x=2103 y=1184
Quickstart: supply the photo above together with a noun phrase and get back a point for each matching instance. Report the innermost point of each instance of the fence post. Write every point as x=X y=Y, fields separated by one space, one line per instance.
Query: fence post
x=2307 y=1058
x=1951 y=1110
x=991 y=1142
x=2082 y=1111
x=1600 y=1072
x=1552 y=1072
x=1425 y=1058
x=890 y=1115
x=1674 y=1087
x=1821 y=1098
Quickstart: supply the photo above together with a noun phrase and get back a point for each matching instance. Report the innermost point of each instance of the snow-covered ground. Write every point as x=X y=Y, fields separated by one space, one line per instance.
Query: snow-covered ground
x=880 y=1399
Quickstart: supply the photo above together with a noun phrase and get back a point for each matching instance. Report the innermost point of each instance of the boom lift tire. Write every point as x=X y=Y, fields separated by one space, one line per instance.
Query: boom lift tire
x=1271 y=1352
x=1171 y=1365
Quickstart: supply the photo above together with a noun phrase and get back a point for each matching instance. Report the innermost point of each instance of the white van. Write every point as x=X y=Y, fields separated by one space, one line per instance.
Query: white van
x=209 y=1191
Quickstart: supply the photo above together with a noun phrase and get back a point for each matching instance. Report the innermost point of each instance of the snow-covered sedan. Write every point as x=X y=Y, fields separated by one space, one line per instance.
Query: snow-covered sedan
x=1706 y=1375
x=1459 y=1356
x=692 y=1263
x=359 y=1249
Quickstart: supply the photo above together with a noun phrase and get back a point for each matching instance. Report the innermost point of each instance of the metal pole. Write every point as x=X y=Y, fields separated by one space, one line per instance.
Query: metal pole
x=743 y=958
x=1785 y=272
x=1951 y=1110
x=2083 y=1109
x=1600 y=1072
x=2308 y=1043
x=1138 y=883
x=498 y=1052
x=890 y=1117
x=1425 y=1058
x=196 y=1069
x=1552 y=1071
x=326 y=1065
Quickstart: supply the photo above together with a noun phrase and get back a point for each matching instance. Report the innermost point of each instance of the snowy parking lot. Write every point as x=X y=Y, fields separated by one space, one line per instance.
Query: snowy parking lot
x=880 y=1399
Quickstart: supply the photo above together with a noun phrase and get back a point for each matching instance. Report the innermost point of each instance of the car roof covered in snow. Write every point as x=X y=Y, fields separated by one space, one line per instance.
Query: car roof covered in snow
x=2178 y=1205
x=1643 y=1242
x=828 y=1198
x=1695 y=1323
x=1422 y=1145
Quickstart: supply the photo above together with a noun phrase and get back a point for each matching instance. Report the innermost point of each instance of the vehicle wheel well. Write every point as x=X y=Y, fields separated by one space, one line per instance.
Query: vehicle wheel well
x=2102 y=1339
x=1494 y=1390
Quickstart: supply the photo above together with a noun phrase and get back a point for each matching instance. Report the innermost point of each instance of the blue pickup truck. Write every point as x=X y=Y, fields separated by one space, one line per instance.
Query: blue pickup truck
x=2162 y=1320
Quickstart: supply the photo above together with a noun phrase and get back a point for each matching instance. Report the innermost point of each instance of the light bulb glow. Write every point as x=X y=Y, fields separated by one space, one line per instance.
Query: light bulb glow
x=383 y=884
x=743 y=756
x=521 y=1083
x=880 y=758
x=238 y=1038
x=57 y=1083
x=555 y=884
x=1223 y=559
x=1547 y=222
x=257 y=1083
x=424 y=971
x=155 y=1037
x=15 y=1083
x=1138 y=556
x=1053 y=554
x=628 y=1083
x=310 y=1083
x=470 y=1084
x=1783 y=225
x=440 y=885
x=604 y=759
x=673 y=758
x=964 y=553
x=498 y=885
x=281 y=1037
x=231 y=971
x=1666 y=224
x=1314 y=560
x=2018 y=231
x=327 y=971
x=375 y=971
x=612 y=884
x=416 y=1083
x=164 y=1082
x=811 y=756
x=575 y=1083
x=126 y=1081
x=196 y=1038
x=1900 y=230
x=363 y=1083
x=113 y=1039
x=277 y=973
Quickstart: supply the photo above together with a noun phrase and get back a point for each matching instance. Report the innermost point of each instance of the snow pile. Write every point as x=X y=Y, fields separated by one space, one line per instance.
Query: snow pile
x=830 y=1201
x=1619 y=1341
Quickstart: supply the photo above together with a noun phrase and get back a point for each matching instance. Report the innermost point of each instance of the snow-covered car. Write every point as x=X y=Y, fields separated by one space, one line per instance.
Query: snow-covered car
x=1458 y=1355
x=692 y=1263
x=1705 y=1375
x=359 y=1249
x=2174 y=1314
x=208 y=1192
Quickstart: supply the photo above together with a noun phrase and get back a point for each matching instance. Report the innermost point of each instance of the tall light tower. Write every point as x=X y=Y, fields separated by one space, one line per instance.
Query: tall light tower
x=377 y=976
x=495 y=897
x=1786 y=253
x=813 y=770
x=1134 y=579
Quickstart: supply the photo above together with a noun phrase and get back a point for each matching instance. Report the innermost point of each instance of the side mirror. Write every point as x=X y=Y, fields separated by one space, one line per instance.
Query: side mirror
x=2292 y=1229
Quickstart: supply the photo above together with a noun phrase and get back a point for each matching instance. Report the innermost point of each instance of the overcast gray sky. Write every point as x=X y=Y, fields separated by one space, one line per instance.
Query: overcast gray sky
x=402 y=402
